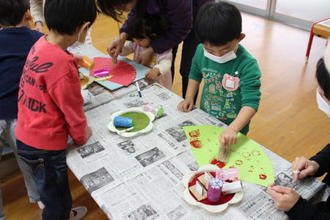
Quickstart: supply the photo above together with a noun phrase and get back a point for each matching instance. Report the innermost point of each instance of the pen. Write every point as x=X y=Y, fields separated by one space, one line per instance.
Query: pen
x=138 y=88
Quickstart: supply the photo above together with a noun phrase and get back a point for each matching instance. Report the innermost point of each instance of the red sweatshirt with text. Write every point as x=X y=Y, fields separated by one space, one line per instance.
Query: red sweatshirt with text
x=50 y=105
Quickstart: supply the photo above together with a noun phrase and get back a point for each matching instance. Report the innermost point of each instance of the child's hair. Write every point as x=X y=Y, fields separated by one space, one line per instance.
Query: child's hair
x=323 y=78
x=65 y=16
x=218 y=23
x=12 y=11
x=110 y=7
x=149 y=26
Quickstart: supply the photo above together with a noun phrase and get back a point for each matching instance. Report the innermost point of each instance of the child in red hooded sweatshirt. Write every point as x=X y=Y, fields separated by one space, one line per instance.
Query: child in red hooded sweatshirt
x=50 y=105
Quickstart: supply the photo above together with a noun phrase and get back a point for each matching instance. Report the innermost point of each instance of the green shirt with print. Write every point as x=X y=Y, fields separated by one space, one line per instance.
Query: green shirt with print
x=227 y=86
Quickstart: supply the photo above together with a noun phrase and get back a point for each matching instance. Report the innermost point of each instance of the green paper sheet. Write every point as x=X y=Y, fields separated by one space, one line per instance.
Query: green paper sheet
x=253 y=164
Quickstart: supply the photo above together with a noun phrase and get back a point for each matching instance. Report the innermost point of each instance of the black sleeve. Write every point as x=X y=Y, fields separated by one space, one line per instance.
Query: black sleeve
x=306 y=210
x=323 y=159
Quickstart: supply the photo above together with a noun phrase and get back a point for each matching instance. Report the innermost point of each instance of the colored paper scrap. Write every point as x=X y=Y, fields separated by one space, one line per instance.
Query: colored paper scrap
x=122 y=72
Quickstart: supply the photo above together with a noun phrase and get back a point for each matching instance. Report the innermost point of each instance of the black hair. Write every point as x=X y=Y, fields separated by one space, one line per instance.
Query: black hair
x=323 y=77
x=12 y=11
x=110 y=8
x=150 y=26
x=65 y=16
x=218 y=23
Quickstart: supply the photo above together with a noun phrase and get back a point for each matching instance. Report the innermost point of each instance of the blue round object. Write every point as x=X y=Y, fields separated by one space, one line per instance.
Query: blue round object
x=123 y=122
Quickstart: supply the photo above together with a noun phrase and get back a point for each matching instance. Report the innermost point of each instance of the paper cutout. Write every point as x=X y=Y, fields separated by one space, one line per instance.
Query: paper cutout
x=253 y=164
x=140 y=72
x=122 y=72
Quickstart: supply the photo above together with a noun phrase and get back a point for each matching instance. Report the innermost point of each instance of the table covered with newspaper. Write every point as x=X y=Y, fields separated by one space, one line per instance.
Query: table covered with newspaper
x=140 y=177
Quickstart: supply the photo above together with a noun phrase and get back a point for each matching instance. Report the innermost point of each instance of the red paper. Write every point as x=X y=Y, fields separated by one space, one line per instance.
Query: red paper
x=122 y=72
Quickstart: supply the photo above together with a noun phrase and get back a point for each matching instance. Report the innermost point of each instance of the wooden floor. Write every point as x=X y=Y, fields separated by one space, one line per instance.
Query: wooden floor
x=288 y=122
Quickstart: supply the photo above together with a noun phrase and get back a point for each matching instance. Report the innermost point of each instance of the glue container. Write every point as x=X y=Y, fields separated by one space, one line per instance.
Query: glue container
x=123 y=122
x=214 y=190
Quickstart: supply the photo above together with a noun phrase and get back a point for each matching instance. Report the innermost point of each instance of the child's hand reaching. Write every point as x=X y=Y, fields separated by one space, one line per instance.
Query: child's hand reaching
x=88 y=134
x=186 y=105
x=226 y=139
x=116 y=47
x=152 y=75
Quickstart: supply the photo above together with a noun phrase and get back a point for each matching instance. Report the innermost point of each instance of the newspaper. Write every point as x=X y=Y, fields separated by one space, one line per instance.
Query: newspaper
x=140 y=177
x=100 y=96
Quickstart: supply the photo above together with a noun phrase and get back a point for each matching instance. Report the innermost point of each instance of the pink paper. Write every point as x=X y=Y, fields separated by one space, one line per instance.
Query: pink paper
x=231 y=174
x=122 y=72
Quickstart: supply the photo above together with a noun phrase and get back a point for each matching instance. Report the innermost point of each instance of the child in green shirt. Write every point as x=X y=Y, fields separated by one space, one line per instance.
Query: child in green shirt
x=231 y=75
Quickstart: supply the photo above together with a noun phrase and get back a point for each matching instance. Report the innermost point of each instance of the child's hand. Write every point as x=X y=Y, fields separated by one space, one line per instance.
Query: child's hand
x=186 y=105
x=89 y=132
x=226 y=139
x=153 y=74
x=78 y=58
x=115 y=48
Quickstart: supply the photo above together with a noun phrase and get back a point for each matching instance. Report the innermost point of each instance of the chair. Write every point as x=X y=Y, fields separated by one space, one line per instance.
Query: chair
x=320 y=29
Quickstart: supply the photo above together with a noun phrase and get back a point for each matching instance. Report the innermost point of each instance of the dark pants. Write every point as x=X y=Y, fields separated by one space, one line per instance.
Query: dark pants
x=50 y=173
x=188 y=52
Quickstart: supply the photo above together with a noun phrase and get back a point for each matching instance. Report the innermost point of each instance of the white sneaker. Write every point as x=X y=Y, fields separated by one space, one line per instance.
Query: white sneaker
x=78 y=213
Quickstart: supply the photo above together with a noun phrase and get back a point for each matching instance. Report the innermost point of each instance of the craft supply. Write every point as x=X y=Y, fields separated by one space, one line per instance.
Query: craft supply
x=246 y=155
x=138 y=88
x=125 y=130
x=86 y=62
x=100 y=79
x=231 y=174
x=84 y=80
x=231 y=188
x=214 y=190
x=101 y=72
x=204 y=179
x=123 y=122
x=122 y=73
x=157 y=110
x=198 y=191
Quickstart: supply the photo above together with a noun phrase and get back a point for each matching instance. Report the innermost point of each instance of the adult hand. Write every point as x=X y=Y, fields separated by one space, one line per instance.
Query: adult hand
x=116 y=47
x=39 y=26
x=303 y=167
x=146 y=56
x=284 y=197
x=186 y=105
